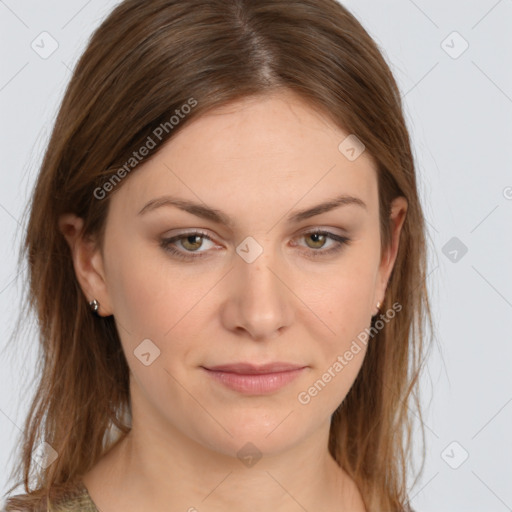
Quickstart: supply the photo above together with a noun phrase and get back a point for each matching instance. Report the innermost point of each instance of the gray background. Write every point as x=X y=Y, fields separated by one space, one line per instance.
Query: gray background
x=459 y=112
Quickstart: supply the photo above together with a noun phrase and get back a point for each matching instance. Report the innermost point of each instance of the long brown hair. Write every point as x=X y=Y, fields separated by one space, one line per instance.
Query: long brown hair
x=146 y=61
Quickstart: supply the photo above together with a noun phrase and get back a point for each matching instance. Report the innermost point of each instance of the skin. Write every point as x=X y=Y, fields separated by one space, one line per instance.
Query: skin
x=258 y=160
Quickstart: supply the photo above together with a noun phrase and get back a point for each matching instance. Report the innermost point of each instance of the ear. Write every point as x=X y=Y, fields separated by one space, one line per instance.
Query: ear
x=396 y=218
x=87 y=262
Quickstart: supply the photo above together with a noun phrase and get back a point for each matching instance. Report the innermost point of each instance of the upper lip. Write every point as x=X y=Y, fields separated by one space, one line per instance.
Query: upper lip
x=252 y=369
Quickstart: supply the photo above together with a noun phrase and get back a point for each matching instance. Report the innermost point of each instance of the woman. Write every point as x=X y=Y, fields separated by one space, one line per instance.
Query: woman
x=227 y=262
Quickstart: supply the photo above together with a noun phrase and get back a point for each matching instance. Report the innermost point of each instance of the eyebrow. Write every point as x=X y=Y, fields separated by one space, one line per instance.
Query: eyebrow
x=219 y=217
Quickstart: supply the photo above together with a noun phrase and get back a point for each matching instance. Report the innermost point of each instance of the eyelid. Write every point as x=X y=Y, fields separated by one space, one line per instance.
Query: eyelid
x=302 y=232
x=339 y=242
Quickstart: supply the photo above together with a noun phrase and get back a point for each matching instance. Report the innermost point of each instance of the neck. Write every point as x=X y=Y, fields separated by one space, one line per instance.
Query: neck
x=158 y=467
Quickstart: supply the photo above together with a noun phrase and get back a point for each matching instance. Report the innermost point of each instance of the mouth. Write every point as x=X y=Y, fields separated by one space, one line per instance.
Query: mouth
x=252 y=379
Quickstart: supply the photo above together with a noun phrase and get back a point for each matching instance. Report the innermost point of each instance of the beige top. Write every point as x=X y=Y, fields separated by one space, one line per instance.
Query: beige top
x=76 y=499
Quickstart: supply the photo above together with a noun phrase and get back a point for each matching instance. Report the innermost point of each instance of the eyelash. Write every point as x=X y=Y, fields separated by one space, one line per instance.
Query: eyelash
x=165 y=243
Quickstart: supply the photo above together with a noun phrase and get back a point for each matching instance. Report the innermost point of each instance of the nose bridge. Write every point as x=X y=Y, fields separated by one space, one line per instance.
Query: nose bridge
x=261 y=300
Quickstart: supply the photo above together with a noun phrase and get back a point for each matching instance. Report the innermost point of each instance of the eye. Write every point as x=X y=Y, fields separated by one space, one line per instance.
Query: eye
x=319 y=238
x=193 y=241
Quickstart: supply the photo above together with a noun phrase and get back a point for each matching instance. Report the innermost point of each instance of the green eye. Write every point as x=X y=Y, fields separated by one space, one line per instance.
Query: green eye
x=193 y=241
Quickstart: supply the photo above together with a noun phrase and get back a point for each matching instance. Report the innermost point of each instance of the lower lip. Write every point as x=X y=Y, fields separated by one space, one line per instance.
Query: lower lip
x=255 y=384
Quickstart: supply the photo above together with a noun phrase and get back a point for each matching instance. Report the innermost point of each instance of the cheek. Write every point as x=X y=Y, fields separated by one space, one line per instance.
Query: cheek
x=154 y=301
x=149 y=295
x=158 y=300
x=343 y=303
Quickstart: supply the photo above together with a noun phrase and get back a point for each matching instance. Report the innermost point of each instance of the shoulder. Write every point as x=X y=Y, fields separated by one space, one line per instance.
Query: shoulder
x=70 y=498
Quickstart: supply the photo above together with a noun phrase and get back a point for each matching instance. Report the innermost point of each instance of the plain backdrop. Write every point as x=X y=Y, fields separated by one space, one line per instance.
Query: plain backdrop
x=452 y=61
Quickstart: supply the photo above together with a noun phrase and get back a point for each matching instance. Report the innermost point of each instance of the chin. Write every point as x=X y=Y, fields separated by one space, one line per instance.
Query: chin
x=247 y=445
x=270 y=432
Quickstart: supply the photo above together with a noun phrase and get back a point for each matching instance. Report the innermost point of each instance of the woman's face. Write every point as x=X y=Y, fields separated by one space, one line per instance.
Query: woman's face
x=255 y=287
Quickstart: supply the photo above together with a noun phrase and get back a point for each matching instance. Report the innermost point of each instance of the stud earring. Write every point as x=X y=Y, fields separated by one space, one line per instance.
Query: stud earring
x=379 y=304
x=94 y=305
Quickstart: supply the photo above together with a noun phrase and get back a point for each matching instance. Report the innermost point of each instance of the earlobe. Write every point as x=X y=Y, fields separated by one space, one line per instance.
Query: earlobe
x=87 y=262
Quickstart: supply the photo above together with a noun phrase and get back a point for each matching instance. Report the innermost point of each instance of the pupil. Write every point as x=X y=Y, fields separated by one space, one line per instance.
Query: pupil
x=192 y=239
x=316 y=237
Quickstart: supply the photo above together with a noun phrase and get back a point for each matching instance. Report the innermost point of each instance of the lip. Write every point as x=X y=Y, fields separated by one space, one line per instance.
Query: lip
x=255 y=379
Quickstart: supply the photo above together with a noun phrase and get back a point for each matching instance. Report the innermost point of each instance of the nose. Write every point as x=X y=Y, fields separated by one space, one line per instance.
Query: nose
x=258 y=299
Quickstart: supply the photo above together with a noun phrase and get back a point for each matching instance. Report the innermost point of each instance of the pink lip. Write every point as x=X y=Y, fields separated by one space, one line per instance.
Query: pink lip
x=251 y=379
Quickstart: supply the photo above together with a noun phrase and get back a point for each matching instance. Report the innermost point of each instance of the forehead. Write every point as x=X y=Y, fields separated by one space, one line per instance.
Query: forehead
x=256 y=152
